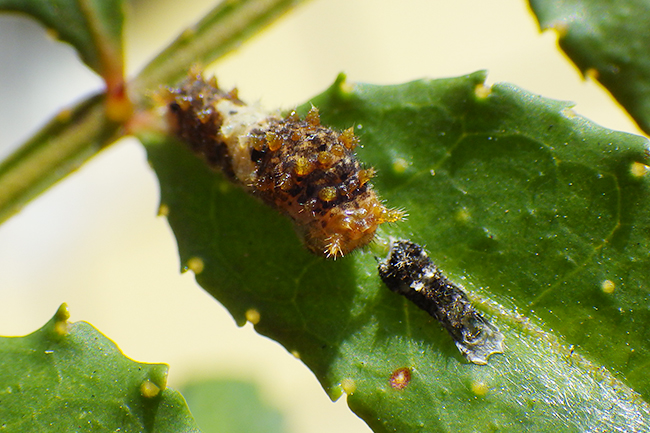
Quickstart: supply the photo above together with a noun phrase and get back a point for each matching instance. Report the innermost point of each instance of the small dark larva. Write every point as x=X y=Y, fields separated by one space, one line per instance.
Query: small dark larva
x=298 y=166
x=410 y=272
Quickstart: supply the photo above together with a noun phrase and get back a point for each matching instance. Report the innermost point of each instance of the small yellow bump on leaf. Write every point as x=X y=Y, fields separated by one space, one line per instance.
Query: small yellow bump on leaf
x=62 y=314
x=163 y=210
x=479 y=388
x=608 y=286
x=463 y=215
x=188 y=33
x=482 y=91
x=348 y=386
x=561 y=27
x=196 y=264
x=592 y=74
x=400 y=165
x=62 y=328
x=64 y=115
x=346 y=87
x=61 y=325
x=253 y=316
x=295 y=354
x=52 y=33
x=569 y=113
x=148 y=389
x=638 y=169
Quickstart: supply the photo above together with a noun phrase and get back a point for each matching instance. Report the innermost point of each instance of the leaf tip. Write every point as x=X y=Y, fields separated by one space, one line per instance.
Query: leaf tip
x=561 y=27
x=253 y=316
x=62 y=314
x=195 y=264
x=342 y=86
x=592 y=74
x=61 y=327
x=569 y=113
x=482 y=91
x=348 y=386
x=163 y=210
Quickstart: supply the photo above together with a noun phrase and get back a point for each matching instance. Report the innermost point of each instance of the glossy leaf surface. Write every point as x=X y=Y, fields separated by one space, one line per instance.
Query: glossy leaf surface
x=69 y=377
x=541 y=215
x=609 y=40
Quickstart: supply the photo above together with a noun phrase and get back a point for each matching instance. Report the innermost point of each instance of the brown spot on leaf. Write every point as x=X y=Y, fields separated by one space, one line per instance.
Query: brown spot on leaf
x=400 y=378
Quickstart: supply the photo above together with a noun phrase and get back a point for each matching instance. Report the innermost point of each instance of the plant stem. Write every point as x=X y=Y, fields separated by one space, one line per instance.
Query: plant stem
x=74 y=136
x=61 y=147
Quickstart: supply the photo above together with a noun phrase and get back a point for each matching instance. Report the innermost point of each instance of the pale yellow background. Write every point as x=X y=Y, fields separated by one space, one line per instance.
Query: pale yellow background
x=94 y=240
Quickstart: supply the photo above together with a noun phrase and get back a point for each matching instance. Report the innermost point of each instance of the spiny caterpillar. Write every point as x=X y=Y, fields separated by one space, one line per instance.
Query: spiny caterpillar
x=298 y=166
x=409 y=271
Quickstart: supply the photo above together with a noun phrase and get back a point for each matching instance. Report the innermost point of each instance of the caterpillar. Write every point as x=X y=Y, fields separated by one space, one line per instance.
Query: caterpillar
x=409 y=271
x=296 y=165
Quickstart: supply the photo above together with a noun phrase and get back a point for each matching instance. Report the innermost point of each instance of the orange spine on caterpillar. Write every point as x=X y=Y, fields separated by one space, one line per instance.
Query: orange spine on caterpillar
x=298 y=166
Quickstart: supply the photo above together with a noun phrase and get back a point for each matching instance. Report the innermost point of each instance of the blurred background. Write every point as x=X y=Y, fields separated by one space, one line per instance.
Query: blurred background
x=94 y=240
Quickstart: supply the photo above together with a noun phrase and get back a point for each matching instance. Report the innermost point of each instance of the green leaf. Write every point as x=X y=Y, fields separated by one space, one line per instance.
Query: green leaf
x=70 y=377
x=231 y=406
x=543 y=216
x=608 y=39
x=94 y=29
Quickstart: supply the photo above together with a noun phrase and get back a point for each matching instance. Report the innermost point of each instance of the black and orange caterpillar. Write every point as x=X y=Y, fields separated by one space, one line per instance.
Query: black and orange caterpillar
x=298 y=166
